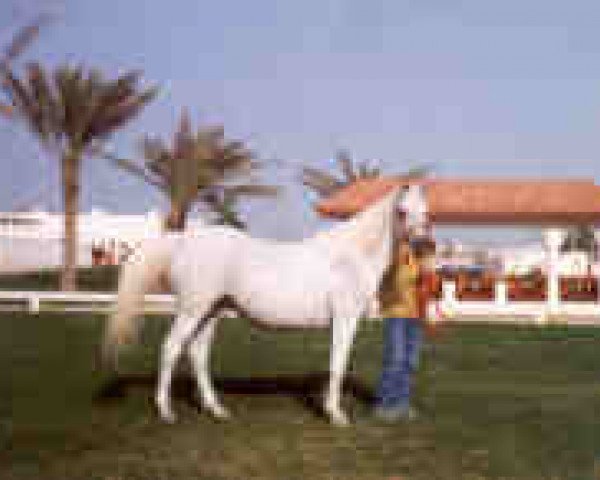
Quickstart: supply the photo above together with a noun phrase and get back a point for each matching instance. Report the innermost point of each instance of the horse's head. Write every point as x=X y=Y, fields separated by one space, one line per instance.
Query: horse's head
x=412 y=211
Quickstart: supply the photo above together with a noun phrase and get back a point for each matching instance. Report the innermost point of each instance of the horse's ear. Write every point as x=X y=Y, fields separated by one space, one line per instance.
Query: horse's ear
x=402 y=190
x=398 y=196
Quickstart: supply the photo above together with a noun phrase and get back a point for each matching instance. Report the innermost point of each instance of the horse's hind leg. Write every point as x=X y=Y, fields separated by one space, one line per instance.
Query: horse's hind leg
x=199 y=351
x=182 y=330
x=342 y=335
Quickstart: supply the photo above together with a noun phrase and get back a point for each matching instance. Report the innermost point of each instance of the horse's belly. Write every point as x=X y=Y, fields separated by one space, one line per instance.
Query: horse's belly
x=289 y=311
x=284 y=287
x=291 y=322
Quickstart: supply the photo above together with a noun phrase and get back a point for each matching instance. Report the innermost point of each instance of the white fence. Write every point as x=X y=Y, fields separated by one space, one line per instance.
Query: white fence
x=501 y=305
x=499 y=309
x=34 y=302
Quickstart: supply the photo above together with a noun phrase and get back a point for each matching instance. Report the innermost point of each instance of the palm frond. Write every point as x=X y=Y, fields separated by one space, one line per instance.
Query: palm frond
x=319 y=188
x=44 y=115
x=375 y=172
x=323 y=183
x=418 y=171
x=252 y=190
x=580 y=237
x=321 y=176
x=363 y=169
x=115 y=116
x=223 y=205
x=135 y=169
x=17 y=92
x=22 y=39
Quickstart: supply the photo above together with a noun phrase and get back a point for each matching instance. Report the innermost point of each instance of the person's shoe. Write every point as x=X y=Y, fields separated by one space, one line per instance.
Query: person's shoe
x=395 y=414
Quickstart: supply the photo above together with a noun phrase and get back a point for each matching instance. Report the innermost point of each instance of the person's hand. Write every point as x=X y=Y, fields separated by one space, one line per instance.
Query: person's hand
x=446 y=312
x=438 y=314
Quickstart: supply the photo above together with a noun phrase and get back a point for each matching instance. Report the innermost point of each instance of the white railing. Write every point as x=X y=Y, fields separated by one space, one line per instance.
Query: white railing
x=500 y=309
x=501 y=306
x=35 y=301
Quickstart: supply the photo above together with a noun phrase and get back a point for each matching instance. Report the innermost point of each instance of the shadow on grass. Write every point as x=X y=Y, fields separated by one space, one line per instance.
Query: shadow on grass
x=305 y=388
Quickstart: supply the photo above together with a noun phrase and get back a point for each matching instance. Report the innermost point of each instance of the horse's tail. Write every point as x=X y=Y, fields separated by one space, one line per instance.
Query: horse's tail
x=136 y=278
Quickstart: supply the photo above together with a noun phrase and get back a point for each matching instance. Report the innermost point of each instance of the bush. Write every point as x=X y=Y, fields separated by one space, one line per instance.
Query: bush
x=96 y=279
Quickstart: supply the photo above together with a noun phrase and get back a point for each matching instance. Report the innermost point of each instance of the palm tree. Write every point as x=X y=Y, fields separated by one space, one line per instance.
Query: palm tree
x=71 y=111
x=581 y=238
x=325 y=183
x=199 y=165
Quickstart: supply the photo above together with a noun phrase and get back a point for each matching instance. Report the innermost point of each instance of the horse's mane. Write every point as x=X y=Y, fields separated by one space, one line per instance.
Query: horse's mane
x=357 y=231
x=363 y=224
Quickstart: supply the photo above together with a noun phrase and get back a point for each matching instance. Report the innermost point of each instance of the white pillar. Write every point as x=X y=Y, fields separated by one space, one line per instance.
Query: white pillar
x=553 y=238
x=501 y=292
x=449 y=292
x=33 y=304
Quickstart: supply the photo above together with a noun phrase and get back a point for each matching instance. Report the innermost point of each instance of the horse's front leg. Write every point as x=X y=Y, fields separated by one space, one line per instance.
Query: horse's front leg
x=343 y=330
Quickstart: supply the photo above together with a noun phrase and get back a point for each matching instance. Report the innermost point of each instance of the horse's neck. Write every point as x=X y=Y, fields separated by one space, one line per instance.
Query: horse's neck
x=380 y=258
x=362 y=224
x=369 y=234
x=344 y=231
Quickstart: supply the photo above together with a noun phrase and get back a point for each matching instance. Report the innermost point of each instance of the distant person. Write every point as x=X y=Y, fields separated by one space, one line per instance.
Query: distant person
x=96 y=254
x=404 y=295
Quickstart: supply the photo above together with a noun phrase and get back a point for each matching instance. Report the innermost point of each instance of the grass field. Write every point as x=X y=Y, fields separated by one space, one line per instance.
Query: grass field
x=496 y=402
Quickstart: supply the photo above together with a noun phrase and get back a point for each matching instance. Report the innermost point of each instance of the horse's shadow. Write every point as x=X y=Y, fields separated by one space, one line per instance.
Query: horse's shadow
x=305 y=388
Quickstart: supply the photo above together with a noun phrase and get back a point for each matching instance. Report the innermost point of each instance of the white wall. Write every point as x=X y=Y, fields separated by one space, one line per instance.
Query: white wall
x=35 y=246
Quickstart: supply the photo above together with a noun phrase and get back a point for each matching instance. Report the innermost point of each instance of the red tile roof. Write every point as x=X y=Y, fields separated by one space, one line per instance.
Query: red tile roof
x=480 y=201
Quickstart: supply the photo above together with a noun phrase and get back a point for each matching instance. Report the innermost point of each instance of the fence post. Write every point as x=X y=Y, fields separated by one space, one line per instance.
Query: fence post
x=553 y=238
x=501 y=293
x=33 y=304
x=449 y=293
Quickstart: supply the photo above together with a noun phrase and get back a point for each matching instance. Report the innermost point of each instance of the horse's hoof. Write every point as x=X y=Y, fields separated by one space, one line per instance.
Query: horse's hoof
x=166 y=414
x=339 y=419
x=168 y=418
x=221 y=413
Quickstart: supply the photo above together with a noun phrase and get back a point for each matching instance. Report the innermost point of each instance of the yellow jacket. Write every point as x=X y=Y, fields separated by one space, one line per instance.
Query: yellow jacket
x=398 y=294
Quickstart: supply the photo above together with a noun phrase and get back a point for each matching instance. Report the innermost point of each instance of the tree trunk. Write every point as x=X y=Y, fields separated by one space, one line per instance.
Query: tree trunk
x=70 y=168
x=176 y=218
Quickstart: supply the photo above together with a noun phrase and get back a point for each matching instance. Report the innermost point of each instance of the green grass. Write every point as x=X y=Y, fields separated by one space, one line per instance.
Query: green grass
x=497 y=402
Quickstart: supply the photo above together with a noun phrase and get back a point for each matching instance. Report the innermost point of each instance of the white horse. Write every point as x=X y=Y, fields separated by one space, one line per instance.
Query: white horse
x=330 y=279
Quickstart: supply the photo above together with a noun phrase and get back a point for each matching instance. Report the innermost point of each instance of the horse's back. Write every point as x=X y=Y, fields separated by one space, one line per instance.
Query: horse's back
x=283 y=283
x=277 y=283
x=202 y=262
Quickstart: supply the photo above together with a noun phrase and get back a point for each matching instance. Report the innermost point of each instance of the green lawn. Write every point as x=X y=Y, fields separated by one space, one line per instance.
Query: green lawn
x=497 y=402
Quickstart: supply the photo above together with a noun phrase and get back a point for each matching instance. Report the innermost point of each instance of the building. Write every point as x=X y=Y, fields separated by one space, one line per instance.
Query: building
x=554 y=205
x=33 y=240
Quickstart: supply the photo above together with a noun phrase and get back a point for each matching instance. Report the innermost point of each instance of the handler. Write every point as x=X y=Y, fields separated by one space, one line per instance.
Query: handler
x=405 y=290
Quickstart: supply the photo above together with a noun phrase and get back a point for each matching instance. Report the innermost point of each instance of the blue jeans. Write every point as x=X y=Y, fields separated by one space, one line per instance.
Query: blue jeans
x=401 y=348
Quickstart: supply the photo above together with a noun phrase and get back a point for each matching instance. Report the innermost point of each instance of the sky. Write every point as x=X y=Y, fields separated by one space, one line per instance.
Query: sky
x=505 y=88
